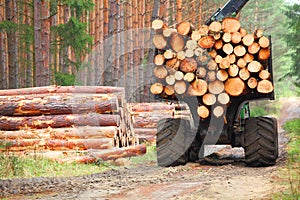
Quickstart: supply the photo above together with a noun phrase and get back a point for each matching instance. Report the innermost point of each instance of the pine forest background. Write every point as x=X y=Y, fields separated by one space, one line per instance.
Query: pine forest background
x=108 y=42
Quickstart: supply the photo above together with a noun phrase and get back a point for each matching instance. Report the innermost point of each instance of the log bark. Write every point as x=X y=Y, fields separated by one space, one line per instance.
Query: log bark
x=58 y=121
x=54 y=104
x=85 y=132
x=54 y=145
x=63 y=89
x=234 y=86
x=149 y=107
x=105 y=155
x=265 y=86
x=149 y=120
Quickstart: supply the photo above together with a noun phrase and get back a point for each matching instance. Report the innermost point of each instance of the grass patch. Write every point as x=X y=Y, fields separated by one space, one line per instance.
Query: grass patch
x=12 y=166
x=149 y=157
x=291 y=173
x=264 y=108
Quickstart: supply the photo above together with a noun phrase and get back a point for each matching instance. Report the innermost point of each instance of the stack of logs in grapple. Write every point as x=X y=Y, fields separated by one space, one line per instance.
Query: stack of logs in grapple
x=214 y=63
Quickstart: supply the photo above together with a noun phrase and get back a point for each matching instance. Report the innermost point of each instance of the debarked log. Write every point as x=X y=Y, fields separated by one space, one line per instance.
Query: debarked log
x=54 y=104
x=63 y=89
x=111 y=154
x=84 y=132
x=45 y=144
x=58 y=121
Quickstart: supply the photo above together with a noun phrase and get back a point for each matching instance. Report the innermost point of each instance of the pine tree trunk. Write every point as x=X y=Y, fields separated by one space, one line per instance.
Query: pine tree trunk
x=3 y=53
x=12 y=44
x=29 y=49
x=179 y=11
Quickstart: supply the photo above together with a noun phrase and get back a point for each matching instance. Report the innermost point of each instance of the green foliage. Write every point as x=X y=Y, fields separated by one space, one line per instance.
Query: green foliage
x=293 y=37
x=8 y=26
x=291 y=174
x=12 y=166
x=258 y=111
x=73 y=34
x=64 y=79
x=78 y=6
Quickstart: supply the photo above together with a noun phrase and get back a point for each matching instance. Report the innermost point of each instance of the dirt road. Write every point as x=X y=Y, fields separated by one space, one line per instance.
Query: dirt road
x=232 y=180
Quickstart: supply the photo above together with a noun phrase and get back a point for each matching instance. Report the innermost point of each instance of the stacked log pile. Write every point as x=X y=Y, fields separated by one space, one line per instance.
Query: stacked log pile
x=145 y=117
x=66 y=119
x=214 y=63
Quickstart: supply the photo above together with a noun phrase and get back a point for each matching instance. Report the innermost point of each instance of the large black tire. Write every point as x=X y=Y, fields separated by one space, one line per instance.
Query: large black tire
x=171 y=142
x=261 y=141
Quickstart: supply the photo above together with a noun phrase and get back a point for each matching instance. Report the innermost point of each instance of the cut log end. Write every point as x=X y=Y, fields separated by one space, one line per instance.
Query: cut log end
x=265 y=87
x=234 y=86
x=203 y=112
x=157 y=88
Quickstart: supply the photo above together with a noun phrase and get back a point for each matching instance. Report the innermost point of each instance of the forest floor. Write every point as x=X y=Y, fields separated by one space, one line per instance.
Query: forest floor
x=229 y=179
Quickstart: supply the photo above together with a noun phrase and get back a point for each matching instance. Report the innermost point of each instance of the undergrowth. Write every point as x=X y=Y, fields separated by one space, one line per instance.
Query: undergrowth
x=291 y=173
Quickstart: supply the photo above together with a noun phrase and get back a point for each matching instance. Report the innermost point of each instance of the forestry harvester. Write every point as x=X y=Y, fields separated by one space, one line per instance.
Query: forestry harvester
x=216 y=70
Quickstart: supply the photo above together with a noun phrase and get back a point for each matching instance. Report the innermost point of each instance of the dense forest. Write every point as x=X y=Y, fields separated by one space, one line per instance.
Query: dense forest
x=108 y=42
